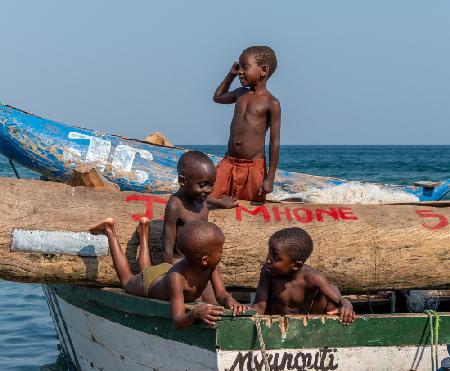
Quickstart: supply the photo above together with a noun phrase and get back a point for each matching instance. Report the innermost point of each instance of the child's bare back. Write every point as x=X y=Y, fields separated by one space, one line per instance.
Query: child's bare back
x=185 y=281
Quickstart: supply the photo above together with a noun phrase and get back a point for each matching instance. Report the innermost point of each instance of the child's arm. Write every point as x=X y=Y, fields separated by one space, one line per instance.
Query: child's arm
x=262 y=292
x=274 y=146
x=222 y=93
x=223 y=296
x=206 y=312
x=226 y=202
x=169 y=230
x=343 y=307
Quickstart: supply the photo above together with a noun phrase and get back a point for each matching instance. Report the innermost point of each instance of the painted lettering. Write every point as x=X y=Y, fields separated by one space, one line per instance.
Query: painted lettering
x=277 y=214
x=321 y=360
x=442 y=220
x=260 y=209
x=306 y=218
x=346 y=214
x=331 y=212
x=148 y=199
x=301 y=214
x=99 y=150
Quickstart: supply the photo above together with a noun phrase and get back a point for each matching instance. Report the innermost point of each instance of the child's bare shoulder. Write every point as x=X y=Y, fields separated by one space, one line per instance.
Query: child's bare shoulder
x=273 y=101
x=312 y=275
x=175 y=202
x=173 y=207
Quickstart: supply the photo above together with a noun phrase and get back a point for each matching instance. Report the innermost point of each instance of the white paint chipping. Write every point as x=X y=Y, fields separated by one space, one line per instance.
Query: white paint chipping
x=59 y=242
x=99 y=151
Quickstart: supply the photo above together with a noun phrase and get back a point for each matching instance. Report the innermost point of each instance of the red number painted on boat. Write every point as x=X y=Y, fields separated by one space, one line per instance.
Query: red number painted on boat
x=443 y=221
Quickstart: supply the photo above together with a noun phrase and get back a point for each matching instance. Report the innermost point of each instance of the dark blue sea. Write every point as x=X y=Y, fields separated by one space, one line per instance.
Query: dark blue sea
x=27 y=337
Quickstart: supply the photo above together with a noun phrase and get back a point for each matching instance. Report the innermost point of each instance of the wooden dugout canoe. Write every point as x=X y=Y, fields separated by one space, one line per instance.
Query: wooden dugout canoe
x=106 y=329
x=358 y=247
x=55 y=150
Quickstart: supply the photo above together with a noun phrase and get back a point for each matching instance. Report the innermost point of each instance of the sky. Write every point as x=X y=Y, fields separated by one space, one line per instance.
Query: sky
x=349 y=72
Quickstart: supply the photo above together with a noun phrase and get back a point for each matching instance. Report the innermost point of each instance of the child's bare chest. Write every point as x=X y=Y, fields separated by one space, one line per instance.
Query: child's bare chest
x=186 y=216
x=292 y=297
x=252 y=106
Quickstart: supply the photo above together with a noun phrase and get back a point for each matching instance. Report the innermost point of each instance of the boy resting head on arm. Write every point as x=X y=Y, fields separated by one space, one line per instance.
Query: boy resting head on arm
x=288 y=286
x=201 y=243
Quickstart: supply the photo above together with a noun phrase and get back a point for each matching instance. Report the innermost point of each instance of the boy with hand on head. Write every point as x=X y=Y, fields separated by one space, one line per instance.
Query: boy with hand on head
x=242 y=173
x=202 y=244
x=288 y=286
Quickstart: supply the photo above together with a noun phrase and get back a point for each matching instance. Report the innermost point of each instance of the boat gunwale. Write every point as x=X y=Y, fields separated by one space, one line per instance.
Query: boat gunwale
x=239 y=333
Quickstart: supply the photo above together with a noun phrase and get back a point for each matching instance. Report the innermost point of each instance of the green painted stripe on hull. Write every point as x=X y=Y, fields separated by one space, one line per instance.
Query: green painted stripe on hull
x=291 y=332
x=146 y=315
x=239 y=333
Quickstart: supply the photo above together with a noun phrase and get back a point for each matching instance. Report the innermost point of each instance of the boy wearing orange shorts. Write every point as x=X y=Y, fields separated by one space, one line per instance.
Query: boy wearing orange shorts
x=242 y=174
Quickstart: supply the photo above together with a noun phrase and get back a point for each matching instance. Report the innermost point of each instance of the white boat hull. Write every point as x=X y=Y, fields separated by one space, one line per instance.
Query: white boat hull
x=96 y=343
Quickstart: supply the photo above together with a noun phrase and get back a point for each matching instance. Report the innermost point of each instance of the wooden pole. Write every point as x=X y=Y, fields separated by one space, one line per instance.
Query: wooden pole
x=359 y=247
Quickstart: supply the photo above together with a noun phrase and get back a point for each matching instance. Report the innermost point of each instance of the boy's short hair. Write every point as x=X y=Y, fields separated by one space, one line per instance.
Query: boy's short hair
x=190 y=158
x=295 y=241
x=195 y=239
x=263 y=55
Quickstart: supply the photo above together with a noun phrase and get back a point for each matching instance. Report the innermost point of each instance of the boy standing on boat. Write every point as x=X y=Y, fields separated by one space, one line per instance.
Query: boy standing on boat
x=242 y=173
x=201 y=243
x=288 y=286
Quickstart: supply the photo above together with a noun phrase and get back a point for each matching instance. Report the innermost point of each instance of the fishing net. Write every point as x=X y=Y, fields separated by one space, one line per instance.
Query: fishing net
x=421 y=300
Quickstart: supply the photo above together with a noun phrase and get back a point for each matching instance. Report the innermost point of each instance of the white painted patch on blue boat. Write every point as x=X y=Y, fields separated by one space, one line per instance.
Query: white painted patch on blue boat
x=59 y=242
x=124 y=157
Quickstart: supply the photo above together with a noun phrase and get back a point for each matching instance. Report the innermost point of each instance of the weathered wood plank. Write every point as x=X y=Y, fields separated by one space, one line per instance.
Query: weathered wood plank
x=358 y=247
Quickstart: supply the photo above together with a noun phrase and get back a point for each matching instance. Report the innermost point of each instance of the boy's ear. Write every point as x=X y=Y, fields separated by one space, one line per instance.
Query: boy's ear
x=205 y=260
x=264 y=70
x=181 y=180
x=297 y=265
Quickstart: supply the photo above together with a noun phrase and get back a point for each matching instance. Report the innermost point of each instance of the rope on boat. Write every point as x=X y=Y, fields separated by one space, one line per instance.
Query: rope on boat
x=368 y=302
x=434 y=337
x=393 y=302
x=262 y=345
x=14 y=168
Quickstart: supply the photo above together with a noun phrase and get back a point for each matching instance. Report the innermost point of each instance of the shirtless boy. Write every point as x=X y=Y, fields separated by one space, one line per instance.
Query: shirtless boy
x=201 y=243
x=242 y=173
x=196 y=177
x=288 y=286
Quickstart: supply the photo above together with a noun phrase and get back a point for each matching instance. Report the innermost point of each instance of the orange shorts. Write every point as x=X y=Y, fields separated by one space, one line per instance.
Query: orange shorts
x=240 y=178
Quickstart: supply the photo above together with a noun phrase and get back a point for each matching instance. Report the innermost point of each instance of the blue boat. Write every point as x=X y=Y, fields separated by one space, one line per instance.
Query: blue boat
x=55 y=150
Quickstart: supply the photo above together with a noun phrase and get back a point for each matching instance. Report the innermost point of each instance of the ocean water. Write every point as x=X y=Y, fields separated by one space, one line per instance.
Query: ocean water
x=27 y=338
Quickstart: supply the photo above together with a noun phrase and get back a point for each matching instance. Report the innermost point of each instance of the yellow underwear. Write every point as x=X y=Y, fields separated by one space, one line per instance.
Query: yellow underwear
x=150 y=274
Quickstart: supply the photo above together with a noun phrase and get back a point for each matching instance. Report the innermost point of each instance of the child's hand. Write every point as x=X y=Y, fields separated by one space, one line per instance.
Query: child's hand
x=208 y=313
x=346 y=313
x=266 y=186
x=236 y=307
x=228 y=202
x=234 y=70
